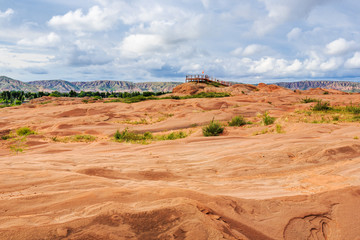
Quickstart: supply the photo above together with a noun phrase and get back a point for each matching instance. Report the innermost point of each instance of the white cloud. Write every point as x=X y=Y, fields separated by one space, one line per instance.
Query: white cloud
x=97 y=19
x=340 y=46
x=83 y=53
x=50 y=40
x=331 y=64
x=17 y=60
x=254 y=49
x=138 y=44
x=238 y=51
x=7 y=13
x=353 y=62
x=283 y=11
x=294 y=34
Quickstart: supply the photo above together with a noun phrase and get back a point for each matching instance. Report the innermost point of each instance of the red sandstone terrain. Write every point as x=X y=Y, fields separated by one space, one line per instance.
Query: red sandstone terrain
x=251 y=182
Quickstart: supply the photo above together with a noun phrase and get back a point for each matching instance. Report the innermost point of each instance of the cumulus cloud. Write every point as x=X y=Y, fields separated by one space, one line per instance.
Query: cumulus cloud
x=283 y=11
x=149 y=39
x=353 y=62
x=340 y=46
x=252 y=50
x=97 y=19
x=7 y=13
x=86 y=54
x=50 y=40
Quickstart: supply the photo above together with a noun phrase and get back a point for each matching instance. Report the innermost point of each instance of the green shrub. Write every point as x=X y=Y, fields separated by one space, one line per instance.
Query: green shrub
x=336 y=118
x=127 y=136
x=308 y=100
x=353 y=109
x=97 y=98
x=24 y=131
x=326 y=93
x=321 y=106
x=83 y=138
x=267 y=120
x=237 y=121
x=5 y=137
x=213 y=129
x=172 y=136
x=279 y=128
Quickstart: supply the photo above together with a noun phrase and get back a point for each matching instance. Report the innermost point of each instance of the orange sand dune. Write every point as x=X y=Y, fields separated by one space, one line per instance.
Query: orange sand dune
x=301 y=183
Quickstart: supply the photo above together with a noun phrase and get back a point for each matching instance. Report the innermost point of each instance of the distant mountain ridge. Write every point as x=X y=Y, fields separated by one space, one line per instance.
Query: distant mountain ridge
x=9 y=84
x=345 y=86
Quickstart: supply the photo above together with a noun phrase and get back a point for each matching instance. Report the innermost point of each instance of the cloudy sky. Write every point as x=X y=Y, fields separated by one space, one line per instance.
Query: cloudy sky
x=163 y=40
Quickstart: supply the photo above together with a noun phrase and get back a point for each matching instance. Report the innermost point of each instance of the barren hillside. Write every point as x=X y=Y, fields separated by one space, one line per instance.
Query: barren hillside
x=297 y=178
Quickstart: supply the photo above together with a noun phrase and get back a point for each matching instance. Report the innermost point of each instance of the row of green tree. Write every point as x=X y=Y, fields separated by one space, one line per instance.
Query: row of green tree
x=11 y=98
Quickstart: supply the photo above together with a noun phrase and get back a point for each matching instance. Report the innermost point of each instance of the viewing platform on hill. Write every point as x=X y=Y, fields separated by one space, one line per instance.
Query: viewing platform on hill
x=206 y=79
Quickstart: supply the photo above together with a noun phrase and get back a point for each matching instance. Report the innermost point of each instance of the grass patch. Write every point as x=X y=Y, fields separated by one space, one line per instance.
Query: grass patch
x=264 y=131
x=25 y=131
x=172 y=136
x=279 y=129
x=141 y=121
x=149 y=119
x=83 y=138
x=308 y=100
x=213 y=129
x=267 y=119
x=46 y=102
x=16 y=149
x=5 y=137
x=141 y=98
x=75 y=138
x=321 y=106
x=208 y=95
x=147 y=137
x=353 y=109
x=237 y=121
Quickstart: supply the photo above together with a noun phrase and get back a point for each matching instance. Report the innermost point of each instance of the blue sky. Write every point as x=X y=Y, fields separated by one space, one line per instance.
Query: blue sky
x=163 y=40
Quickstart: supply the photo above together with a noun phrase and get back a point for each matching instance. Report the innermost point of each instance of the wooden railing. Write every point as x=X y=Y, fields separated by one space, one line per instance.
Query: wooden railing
x=205 y=78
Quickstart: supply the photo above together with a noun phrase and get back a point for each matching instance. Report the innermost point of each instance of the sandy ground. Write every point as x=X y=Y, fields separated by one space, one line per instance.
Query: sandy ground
x=303 y=183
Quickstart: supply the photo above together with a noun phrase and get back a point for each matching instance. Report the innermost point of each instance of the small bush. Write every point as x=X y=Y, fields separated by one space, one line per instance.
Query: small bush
x=127 y=136
x=97 y=98
x=308 y=100
x=24 y=131
x=5 y=137
x=326 y=93
x=353 y=109
x=237 y=121
x=321 y=106
x=213 y=129
x=172 y=136
x=83 y=138
x=267 y=120
x=279 y=128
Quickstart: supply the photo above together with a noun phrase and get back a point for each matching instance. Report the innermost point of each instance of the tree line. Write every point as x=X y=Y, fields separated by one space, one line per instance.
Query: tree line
x=12 y=98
